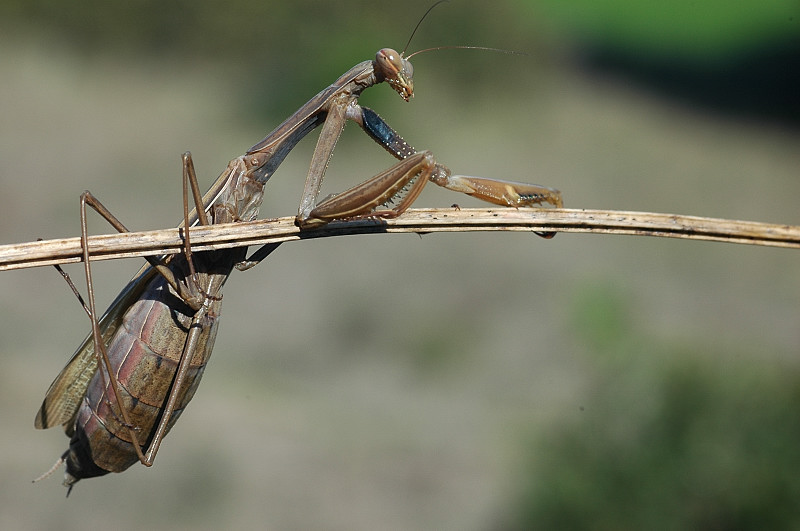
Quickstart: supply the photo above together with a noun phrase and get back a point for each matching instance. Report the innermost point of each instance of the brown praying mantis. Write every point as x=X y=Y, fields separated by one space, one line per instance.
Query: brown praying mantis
x=131 y=378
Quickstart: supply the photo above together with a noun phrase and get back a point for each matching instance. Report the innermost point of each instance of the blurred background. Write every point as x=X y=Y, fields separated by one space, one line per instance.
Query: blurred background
x=459 y=381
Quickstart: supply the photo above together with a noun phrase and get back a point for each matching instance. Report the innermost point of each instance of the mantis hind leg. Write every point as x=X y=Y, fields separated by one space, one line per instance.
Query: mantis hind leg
x=196 y=298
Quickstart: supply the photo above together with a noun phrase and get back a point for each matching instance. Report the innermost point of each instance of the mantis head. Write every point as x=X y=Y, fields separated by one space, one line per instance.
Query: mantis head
x=395 y=70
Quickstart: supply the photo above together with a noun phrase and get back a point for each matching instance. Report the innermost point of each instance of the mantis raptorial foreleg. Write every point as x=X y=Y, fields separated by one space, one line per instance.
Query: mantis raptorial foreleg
x=365 y=199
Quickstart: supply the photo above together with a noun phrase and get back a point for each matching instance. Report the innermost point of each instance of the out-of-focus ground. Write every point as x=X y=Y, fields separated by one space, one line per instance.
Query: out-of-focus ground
x=460 y=381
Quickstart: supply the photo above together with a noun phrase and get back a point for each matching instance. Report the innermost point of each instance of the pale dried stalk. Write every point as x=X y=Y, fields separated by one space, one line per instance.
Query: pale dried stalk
x=421 y=221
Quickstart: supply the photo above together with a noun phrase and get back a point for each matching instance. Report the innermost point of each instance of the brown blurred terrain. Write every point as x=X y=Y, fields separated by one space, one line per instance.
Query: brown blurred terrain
x=462 y=381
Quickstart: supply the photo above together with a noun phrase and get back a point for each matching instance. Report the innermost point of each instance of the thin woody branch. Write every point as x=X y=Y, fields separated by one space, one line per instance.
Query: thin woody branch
x=420 y=221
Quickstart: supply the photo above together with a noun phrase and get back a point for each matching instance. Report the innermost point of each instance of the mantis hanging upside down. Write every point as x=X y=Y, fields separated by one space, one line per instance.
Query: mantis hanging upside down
x=134 y=374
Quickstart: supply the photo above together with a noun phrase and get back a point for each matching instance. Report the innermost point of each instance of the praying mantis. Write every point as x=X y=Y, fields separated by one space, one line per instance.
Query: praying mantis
x=133 y=375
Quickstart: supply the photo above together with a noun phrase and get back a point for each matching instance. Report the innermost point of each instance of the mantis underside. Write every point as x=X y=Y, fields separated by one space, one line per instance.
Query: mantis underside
x=134 y=374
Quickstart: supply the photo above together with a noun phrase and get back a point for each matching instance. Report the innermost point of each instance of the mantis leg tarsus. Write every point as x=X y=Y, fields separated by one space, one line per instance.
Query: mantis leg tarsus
x=499 y=192
x=256 y=258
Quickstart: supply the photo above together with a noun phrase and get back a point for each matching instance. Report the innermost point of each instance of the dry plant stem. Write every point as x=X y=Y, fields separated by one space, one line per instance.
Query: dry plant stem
x=421 y=221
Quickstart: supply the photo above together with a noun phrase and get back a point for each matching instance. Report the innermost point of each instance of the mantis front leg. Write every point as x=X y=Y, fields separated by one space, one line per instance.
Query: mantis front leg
x=366 y=199
x=412 y=172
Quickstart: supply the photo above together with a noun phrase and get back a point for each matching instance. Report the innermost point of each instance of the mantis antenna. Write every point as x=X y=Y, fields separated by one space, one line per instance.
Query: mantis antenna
x=452 y=47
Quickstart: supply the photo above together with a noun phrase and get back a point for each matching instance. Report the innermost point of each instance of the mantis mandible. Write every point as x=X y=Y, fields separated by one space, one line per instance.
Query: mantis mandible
x=133 y=375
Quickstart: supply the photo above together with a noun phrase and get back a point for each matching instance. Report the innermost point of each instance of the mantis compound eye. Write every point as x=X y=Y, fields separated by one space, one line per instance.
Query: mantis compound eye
x=397 y=71
x=389 y=61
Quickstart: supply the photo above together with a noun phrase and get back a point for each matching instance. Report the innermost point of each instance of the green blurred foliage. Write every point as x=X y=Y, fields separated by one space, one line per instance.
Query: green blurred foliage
x=698 y=30
x=667 y=438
